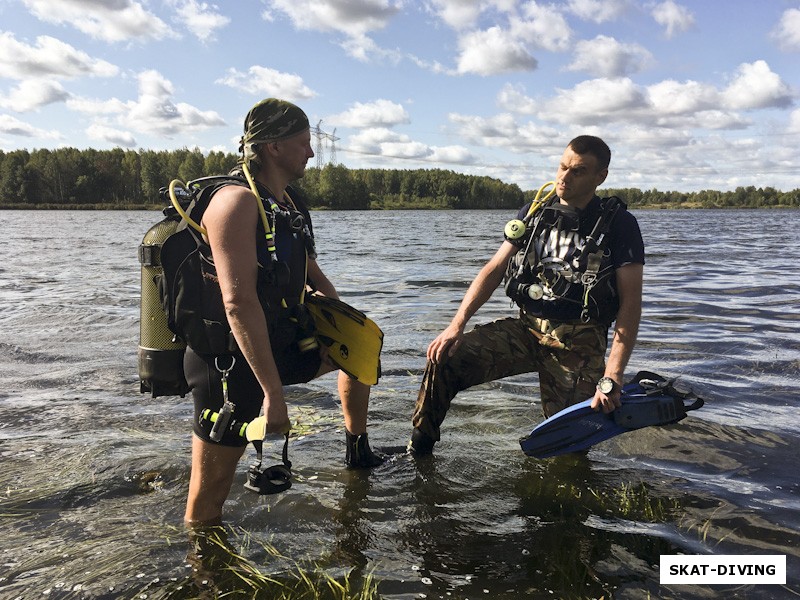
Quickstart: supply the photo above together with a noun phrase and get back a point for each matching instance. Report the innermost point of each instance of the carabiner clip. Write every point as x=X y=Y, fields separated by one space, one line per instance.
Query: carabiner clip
x=226 y=412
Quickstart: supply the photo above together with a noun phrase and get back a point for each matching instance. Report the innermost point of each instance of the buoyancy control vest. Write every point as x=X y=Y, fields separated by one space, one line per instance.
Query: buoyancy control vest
x=189 y=290
x=564 y=270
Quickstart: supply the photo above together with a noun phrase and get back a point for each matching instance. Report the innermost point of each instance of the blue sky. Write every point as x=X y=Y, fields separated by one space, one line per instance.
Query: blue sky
x=690 y=95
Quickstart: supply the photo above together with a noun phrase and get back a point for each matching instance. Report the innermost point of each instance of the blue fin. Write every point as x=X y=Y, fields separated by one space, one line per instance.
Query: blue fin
x=647 y=400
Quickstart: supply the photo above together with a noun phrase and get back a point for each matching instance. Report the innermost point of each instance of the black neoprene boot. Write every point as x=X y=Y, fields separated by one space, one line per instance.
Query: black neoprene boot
x=421 y=443
x=359 y=454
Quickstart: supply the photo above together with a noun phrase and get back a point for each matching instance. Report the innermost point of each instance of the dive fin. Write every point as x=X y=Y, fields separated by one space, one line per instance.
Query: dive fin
x=353 y=340
x=659 y=410
x=650 y=399
x=647 y=400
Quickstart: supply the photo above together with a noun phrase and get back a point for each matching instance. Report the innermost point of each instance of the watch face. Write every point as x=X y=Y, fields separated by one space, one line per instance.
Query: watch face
x=606 y=385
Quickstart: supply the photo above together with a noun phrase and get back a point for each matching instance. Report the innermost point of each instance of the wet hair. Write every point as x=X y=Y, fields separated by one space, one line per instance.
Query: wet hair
x=589 y=144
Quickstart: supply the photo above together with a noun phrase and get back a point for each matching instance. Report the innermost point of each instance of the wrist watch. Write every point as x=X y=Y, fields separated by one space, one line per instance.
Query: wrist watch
x=606 y=385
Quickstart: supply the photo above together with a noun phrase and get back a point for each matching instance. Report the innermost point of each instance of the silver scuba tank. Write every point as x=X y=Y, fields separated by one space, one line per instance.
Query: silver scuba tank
x=160 y=352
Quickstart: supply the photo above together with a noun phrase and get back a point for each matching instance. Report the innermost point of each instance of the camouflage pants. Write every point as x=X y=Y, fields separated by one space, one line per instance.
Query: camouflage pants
x=569 y=358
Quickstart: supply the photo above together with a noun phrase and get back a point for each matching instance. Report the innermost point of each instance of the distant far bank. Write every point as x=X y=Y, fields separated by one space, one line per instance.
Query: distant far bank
x=68 y=178
x=154 y=207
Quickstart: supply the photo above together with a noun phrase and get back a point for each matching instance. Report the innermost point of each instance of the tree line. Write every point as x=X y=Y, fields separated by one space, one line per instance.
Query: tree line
x=72 y=178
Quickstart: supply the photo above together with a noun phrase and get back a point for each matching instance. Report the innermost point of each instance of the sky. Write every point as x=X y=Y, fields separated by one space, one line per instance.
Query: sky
x=689 y=95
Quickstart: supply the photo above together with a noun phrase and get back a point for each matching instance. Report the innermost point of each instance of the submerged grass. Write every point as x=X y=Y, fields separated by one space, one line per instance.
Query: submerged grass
x=635 y=502
x=565 y=498
x=219 y=571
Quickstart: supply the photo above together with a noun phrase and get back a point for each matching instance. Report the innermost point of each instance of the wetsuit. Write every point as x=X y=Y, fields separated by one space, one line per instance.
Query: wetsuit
x=548 y=337
x=203 y=371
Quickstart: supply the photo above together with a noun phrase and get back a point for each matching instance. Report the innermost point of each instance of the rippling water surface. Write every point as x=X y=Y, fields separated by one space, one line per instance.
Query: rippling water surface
x=94 y=475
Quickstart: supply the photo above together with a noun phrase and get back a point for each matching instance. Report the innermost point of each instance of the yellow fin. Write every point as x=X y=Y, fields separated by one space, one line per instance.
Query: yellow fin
x=353 y=340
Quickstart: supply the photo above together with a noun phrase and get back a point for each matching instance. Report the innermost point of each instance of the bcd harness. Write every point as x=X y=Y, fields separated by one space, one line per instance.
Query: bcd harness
x=189 y=286
x=562 y=259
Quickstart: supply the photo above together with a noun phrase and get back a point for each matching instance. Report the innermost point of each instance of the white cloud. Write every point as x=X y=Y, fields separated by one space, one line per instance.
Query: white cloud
x=33 y=94
x=452 y=155
x=711 y=119
x=503 y=131
x=675 y=98
x=494 y=131
x=369 y=141
x=201 y=19
x=787 y=32
x=383 y=142
x=14 y=126
x=512 y=98
x=380 y=113
x=598 y=11
x=48 y=58
x=155 y=112
x=541 y=26
x=353 y=18
x=606 y=57
x=598 y=101
x=117 y=137
x=108 y=20
x=492 y=52
x=406 y=149
x=674 y=17
x=502 y=48
x=692 y=105
x=757 y=86
x=363 y=48
x=794 y=121
x=89 y=106
x=263 y=81
x=458 y=14
x=606 y=103
x=431 y=65
x=380 y=141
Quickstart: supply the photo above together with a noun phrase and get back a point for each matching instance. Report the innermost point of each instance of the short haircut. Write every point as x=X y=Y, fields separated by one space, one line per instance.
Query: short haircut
x=589 y=144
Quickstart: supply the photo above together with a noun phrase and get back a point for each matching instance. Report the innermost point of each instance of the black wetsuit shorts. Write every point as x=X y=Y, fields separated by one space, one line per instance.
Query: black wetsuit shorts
x=205 y=380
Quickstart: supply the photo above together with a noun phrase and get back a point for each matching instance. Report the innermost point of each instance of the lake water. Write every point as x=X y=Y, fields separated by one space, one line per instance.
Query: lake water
x=94 y=475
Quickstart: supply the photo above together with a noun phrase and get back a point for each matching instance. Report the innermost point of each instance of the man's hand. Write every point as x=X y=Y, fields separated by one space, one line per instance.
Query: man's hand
x=276 y=415
x=447 y=341
x=607 y=402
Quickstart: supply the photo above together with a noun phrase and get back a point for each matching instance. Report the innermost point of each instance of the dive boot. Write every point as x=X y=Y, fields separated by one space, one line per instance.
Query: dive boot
x=421 y=443
x=359 y=454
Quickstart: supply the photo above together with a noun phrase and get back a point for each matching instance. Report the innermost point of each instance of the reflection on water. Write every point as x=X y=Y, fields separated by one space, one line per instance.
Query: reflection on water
x=94 y=474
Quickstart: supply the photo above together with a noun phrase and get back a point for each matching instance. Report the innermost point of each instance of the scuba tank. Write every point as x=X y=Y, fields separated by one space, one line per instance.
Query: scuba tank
x=160 y=351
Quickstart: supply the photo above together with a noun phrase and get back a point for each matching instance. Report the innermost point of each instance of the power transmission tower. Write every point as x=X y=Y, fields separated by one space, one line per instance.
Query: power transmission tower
x=332 y=137
x=322 y=138
x=320 y=135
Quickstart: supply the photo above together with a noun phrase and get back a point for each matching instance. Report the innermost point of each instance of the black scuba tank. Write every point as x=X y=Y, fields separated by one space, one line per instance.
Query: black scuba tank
x=160 y=352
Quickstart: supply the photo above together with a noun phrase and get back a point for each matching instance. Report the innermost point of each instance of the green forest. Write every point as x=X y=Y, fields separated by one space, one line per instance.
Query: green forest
x=131 y=179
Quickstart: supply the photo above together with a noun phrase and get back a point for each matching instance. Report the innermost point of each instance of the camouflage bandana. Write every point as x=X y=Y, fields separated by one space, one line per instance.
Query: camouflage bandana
x=270 y=120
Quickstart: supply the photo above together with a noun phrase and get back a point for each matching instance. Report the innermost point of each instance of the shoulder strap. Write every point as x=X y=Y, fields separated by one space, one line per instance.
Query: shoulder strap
x=204 y=188
x=598 y=238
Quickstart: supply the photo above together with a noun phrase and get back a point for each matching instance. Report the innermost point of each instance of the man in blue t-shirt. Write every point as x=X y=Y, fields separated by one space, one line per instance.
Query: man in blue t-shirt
x=576 y=270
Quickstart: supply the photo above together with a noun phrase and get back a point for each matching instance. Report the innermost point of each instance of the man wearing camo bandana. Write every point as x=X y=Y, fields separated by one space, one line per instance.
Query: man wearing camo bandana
x=271 y=120
x=275 y=148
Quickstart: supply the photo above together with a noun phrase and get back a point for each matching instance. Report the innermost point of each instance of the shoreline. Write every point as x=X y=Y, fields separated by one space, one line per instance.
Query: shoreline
x=160 y=207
